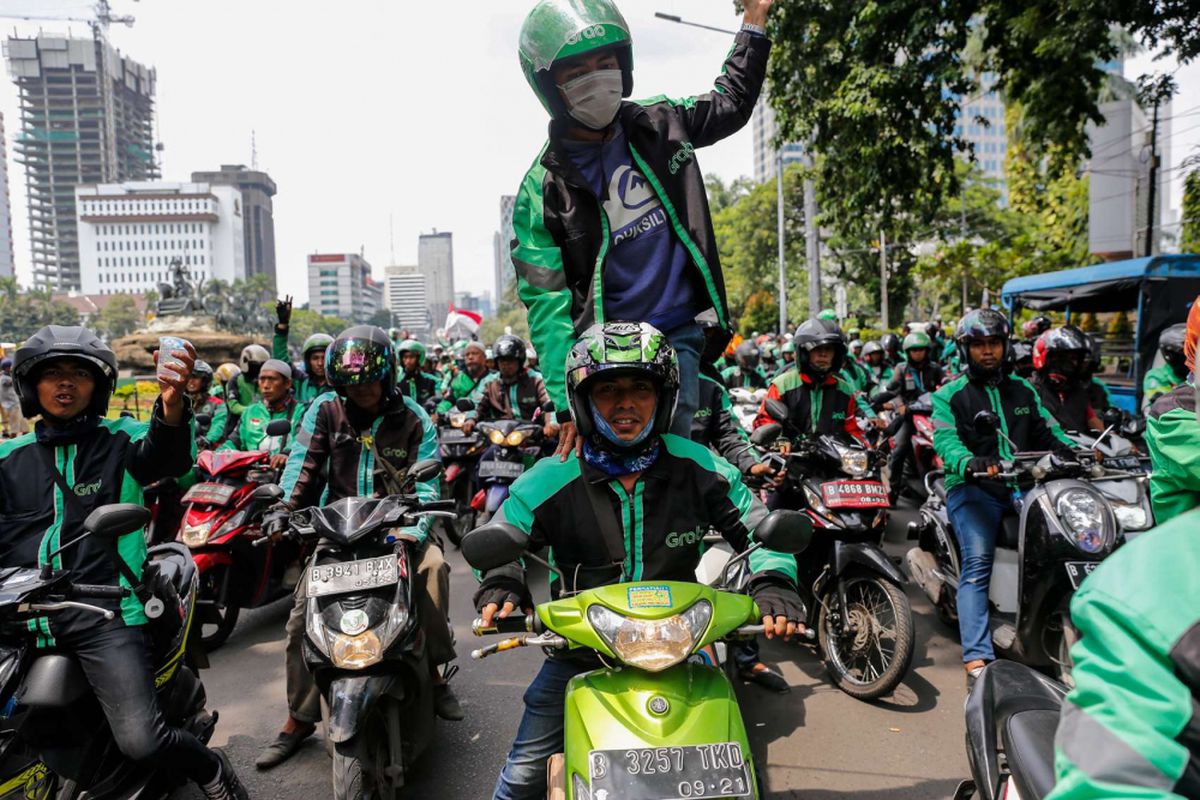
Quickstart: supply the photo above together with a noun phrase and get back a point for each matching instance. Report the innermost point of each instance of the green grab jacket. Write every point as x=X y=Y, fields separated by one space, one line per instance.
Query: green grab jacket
x=251 y=431
x=562 y=234
x=1173 y=439
x=462 y=385
x=1158 y=382
x=1131 y=726
x=304 y=387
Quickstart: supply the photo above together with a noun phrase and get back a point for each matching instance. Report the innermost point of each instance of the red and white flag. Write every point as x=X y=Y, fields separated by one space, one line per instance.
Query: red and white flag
x=468 y=320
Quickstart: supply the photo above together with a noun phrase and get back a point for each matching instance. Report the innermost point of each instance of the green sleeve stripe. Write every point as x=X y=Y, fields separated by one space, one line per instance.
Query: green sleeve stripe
x=135 y=430
x=427 y=491
x=788 y=380
x=296 y=458
x=535 y=487
x=8 y=446
x=131 y=548
x=1103 y=756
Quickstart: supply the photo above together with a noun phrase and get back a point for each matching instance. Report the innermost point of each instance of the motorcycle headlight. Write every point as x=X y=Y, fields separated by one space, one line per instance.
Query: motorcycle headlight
x=1082 y=513
x=457 y=418
x=651 y=644
x=496 y=437
x=855 y=463
x=195 y=535
x=236 y=520
x=1132 y=517
x=515 y=438
x=356 y=652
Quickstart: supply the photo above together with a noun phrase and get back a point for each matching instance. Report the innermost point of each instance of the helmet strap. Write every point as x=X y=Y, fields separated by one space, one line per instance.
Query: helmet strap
x=610 y=437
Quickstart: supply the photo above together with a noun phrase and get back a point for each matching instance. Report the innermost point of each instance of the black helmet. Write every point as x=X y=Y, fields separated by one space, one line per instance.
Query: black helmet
x=1170 y=342
x=1094 y=355
x=747 y=355
x=204 y=371
x=509 y=346
x=361 y=354
x=982 y=323
x=1053 y=351
x=1020 y=352
x=891 y=345
x=814 y=333
x=64 y=341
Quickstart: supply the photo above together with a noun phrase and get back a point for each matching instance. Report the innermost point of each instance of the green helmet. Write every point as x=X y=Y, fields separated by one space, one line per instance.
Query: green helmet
x=917 y=340
x=412 y=346
x=318 y=341
x=637 y=347
x=558 y=29
x=829 y=314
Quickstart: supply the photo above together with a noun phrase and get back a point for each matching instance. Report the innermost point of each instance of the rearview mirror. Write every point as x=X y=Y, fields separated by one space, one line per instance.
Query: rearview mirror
x=463 y=404
x=203 y=421
x=1111 y=416
x=986 y=422
x=1134 y=427
x=113 y=521
x=423 y=471
x=493 y=545
x=268 y=493
x=279 y=427
x=776 y=410
x=766 y=434
x=785 y=531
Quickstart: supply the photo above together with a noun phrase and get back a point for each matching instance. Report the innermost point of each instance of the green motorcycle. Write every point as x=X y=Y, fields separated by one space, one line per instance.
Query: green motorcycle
x=661 y=721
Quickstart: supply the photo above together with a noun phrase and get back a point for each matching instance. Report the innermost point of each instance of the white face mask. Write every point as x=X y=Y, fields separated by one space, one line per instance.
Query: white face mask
x=593 y=99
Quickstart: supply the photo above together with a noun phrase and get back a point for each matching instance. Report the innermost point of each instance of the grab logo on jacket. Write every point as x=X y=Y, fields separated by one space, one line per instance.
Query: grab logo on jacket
x=632 y=207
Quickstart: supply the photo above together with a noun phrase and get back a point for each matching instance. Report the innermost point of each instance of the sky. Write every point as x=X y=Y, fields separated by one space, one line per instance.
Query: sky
x=380 y=120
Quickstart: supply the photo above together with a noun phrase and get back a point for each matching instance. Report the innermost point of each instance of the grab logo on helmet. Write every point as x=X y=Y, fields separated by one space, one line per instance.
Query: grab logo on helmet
x=592 y=32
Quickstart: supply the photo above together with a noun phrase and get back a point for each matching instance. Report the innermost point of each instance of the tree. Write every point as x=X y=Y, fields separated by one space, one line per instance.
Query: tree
x=381 y=319
x=22 y=315
x=305 y=323
x=511 y=314
x=118 y=317
x=1190 y=236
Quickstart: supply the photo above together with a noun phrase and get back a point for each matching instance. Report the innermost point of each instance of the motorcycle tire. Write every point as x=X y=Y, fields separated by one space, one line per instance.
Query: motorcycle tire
x=870 y=683
x=211 y=638
x=349 y=782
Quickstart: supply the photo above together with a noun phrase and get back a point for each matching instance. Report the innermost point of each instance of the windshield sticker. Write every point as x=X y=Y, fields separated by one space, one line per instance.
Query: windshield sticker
x=649 y=597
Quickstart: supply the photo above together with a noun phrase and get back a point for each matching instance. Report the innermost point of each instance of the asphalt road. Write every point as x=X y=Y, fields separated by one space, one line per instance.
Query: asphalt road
x=817 y=743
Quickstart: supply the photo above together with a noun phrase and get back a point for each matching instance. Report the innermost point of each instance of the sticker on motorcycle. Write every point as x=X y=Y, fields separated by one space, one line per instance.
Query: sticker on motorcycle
x=854 y=494
x=648 y=597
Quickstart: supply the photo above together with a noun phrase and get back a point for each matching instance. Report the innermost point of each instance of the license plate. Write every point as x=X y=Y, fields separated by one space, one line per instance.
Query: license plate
x=854 y=494
x=1126 y=463
x=1078 y=570
x=452 y=435
x=351 y=576
x=211 y=494
x=501 y=469
x=670 y=773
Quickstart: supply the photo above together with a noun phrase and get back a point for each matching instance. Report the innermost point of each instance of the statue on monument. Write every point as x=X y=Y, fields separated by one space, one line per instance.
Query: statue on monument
x=181 y=297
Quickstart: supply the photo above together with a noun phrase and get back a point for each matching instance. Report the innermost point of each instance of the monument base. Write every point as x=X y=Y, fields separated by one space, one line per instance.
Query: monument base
x=135 y=351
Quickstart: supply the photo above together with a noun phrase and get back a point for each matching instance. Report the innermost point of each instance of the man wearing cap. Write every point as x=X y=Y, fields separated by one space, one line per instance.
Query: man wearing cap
x=278 y=402
x=467 y=380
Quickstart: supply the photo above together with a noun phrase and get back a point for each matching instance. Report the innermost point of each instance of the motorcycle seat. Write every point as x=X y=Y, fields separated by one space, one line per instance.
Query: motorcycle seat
x=54 y=681
x=1029 y=745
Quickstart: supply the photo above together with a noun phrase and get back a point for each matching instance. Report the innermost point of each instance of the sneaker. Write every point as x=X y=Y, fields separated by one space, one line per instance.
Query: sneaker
x=974 y=669
x=766 y=677
x=226 y=785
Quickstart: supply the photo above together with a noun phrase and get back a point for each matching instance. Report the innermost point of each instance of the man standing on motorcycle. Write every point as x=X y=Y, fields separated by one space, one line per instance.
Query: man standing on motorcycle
x=1173 y=438
x=77 y=460
x=366 y=420
x=415 y=383
x=278 y=402
x=511 y=393
x=311 y=383
x=975 y=498
x=915 y=376
x=1170 y=374
x=1060 y=357
x=612 y=220
x=622 y=383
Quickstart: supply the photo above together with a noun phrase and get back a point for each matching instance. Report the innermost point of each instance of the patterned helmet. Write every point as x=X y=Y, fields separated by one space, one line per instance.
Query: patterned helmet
x=917 y=340
x=1067 y=339
x=358 y=355
x=616 y=348
x=982 y=323
x=1171 y=342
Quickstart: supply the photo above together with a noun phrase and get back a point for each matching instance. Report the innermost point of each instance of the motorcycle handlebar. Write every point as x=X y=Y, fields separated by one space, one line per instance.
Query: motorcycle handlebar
x=99 y=592
x=516 y=623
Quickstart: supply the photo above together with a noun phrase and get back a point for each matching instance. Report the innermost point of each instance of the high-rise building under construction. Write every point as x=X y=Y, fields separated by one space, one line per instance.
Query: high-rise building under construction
x=86 y=118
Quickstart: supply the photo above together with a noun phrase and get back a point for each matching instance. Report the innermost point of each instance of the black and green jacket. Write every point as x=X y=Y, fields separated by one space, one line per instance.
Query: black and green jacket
x=713 y=425
x=418 y=386
x=737 y=378
x=562 y=233
x=1022 y=417
x=1173 y=438
x=108 y=461
x=687 y=491
x=304 y=387
x=1131 y=726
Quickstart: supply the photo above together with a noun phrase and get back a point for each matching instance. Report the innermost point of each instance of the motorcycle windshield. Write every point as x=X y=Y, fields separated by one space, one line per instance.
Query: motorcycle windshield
x=352 y=518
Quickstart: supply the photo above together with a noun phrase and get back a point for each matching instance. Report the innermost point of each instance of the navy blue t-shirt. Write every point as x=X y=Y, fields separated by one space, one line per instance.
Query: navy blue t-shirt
x=648 y=275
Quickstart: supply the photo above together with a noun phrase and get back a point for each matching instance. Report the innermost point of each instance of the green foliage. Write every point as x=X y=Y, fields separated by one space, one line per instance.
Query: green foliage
x=511 y=314
x=305 y=323
x=1190 y=237
x=381 y=319
x=22 y=315
x=118 y=318
x=761 y=312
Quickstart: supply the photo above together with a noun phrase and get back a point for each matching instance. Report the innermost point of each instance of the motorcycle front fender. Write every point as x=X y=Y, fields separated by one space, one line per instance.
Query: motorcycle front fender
x=497 y=493
x=351 y=699
x=864 y=555
x=206 y=560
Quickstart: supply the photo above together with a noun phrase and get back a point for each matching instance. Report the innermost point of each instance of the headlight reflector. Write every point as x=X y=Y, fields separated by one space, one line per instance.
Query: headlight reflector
x=457 y=418
x=356 y=652
x=496 y=437
x=515 y=438
x=196 y=535
x=855 y=462
x=651 y=644
x=1082 y=513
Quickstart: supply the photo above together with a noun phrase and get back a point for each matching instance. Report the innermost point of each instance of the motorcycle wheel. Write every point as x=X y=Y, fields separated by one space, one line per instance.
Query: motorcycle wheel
x=357 y=764
x=348 y=780
x=213 y=635
x=870 y=661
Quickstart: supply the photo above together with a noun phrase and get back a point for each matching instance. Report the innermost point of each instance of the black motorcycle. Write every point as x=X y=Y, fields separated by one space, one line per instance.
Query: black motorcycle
x=45 y=697
x=459 y=452
x=364 y=641
x=856 y=598
x=518 y=446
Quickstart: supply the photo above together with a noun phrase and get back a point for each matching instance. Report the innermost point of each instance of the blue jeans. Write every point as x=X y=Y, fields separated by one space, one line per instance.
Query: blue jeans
x=688 y=342
x=976 y=516
x=540 y=734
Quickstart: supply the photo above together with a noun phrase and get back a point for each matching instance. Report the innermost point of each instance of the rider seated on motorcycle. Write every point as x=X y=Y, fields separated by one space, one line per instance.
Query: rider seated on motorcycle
x=311 y=383
x=466 y=380
x=746 y=372
x=915 y=376
x=199 y=386
x=365 y=420
x=873 y=361
x=622 y=382
x=1173 y=438
x=415 y=383
x=1060 y=358
x=977 y=505
x=278 y=402
x=512 y=393
x=1128 y=728
x=66 y=375
x=241 y=390
x=1170 y=374
x=891 y=350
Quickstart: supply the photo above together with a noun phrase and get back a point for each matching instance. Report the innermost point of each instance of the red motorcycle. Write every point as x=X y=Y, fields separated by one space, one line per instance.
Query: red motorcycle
x=222 y=526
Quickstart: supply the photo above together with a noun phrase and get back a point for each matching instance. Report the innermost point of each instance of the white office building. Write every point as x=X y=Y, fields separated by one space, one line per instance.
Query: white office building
x=340 y=285
x=502 y=244
x=435 y=258
x=407 y=297
x=130 y=234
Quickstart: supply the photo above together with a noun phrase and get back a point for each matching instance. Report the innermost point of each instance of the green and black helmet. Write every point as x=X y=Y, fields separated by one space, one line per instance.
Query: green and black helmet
x=616 y=348
x=318 y=341
x=917 y=340
x=560 y=29
x=411 y=346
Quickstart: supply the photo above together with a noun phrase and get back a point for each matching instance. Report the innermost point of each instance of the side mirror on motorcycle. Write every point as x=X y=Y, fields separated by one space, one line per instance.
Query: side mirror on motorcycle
x=423 y=471
x=776 y=410
x=1111 y=417
x=115 y=520
x=493 y=545
x=431 y=405
x=267 y=493
x=1134 y=427
x=766 y=434
x=986 y=422
x=463 y=404
x=785 y=531
x=279 y=427
x=203 y=422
